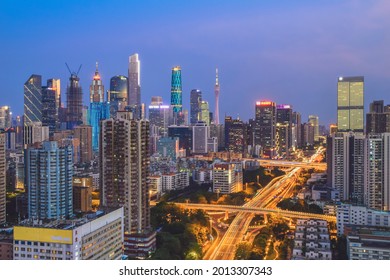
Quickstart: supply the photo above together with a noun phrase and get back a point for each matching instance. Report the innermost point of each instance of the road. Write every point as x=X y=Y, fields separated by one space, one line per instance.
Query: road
x=280 y=186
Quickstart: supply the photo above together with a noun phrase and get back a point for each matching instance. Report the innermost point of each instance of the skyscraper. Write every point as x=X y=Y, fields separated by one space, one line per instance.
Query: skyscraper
x=5 y=117
x=195 y=100
x=158 y=117
x=284 y=118
x=96 y=89
x=74 y=102
x=33 y=99
x=124 y=169
x=237 y=136
x=2 y=179
x=49 y=172
x=314 y=121
x=134 y=85
x=204 y=114
x=118 y=93
x=49 y=109
x=265 y=125
x=55 y=84
x=176 y=94
x=216 y=92
x=200 y=134
x=84 y=134
x=378 y=119
x=350 y=104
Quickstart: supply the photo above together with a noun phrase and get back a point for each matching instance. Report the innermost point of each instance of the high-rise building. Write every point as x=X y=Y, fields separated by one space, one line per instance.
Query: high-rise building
x=195 y=100
x=96 y=89
x=49 y=172
x=184 y=134
x=265 y=126
x=55 y=84
x=124 y=171
x=314 y=121
x=308 y=131
x=168 y=147
x=5 y=117
x=216 y=92
x=34 y=132
x=74 y=102
x=350 y=104
x=33 y=99
x=118 y=94
x=378 y=119
x=3 y=169
x=218 y=131
x=284 y=128
x=84 y=134
x=227 y=177
x=204 y=115
x=237 y=136
x=297 y=124
x=200 y=134
x=49 y=109
x=134 y=85
x=176 y=94
x=158 y=117
x=228 y=123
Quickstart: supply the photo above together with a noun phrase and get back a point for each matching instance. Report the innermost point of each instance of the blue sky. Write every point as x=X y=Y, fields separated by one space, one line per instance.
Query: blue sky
x=291 y=53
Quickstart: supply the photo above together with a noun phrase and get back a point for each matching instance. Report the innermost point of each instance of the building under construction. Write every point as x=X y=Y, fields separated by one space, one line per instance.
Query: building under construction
x=74 y=101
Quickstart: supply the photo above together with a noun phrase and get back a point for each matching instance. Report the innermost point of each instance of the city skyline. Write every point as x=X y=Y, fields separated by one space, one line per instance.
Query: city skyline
x=290 y=50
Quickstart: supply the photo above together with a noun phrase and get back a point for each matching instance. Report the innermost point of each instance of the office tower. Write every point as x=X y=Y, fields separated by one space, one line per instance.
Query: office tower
x=237 y=136
x=184 y=134
x=265 y=125
x=5 y=117
x=378 y=119
x=216 y=92
x=200 y=134
x=204 y=112
x=195 y=100
x=168 y=147
x=10 y=138
x=55 y=84
x=97 y=236
x=282 y=139
x=332 y=128
x=34 y=132
x=314 y=121
x=33 y=99
x=218 y=131
x=2 y=179
x=377 y=169
x=284 y=128
x=96 y=89
x=49 y=109
x=124 y=170
x=74 y=102
x=84 y=134
x=350 y=104
x=308 y=132
x=227 y=177
x=176 y=94
x=134 y=89
x=158 y=117
x=228 y=123
x=118 y=94
x=297 y=124
x=212 y=145
x=98 y=109
x=49 y=172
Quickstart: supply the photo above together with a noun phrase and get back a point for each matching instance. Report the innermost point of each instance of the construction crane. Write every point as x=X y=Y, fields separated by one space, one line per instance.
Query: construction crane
x=73 y=73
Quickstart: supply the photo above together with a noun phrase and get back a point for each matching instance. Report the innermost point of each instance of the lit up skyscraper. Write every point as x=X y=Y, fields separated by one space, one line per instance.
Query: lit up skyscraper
x=265 y=127
x=195 y=100
x=350 y=104
x=176 y=93
x=98 y=110
x=134 y=85
x=118 y=93
x=216 y=91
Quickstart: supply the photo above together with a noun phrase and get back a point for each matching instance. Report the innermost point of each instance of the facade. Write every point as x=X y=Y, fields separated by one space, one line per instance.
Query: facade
x=195 y=100
x=184 y=134
x=49 y=109
x=350 y=104
x=33 y=99
x=311 y=240
x=34 y=132
x=284 y=117
x=6 y=246
x=378 y=119
x=5 y=117
x=98 y=236
x=176 y=95
x=168 y=147
x=55 y=84
x=265 y=127
x=200 y=135
x=204 y=114
x=98 y=111
x=124 y=171
x=3 y=180
x=134 y=89
x=175 y=181
x=348 y=214
x=49 y=172
x=236 y=136
x=96 y=88
x=227 y=178
x=82 y=194
x=218 y=131
x=158 y=117
x=74 y=102
x=368 y=243
x=216 y=92
x=84 y=134
x=313 y=120
x=118 y=93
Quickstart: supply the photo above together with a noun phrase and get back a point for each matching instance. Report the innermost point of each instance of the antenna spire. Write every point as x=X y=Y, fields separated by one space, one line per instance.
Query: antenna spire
x=216 y=77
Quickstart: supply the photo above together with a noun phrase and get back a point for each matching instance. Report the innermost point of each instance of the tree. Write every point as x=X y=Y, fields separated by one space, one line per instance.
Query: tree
x=243 y=251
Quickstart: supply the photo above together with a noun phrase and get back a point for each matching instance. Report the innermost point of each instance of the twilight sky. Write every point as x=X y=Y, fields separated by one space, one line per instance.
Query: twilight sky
x=287 y=52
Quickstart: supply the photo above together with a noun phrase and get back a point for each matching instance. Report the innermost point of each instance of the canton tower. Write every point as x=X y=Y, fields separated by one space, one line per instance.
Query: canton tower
x=216 y=91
